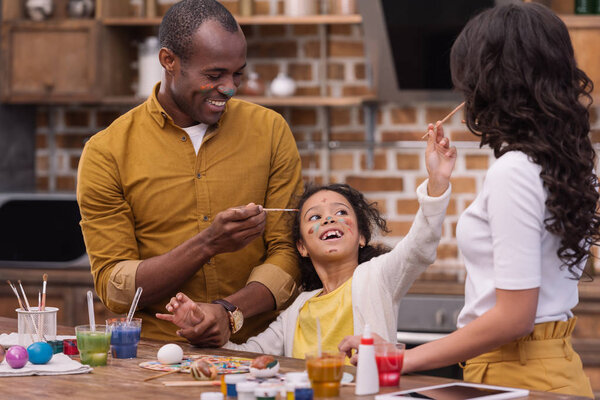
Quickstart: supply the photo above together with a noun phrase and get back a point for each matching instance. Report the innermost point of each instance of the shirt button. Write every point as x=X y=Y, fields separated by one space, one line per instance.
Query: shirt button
x=183 y=138
x=205 y=218
x=164 y=115
x=198 y=176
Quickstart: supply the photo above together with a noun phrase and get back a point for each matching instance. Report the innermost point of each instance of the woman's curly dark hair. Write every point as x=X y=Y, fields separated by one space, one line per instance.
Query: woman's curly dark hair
x=523 y=91
x=368 y=218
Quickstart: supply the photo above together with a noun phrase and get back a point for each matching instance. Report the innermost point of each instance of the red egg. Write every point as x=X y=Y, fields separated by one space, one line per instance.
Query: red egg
x=2 y=353
x=16 y=357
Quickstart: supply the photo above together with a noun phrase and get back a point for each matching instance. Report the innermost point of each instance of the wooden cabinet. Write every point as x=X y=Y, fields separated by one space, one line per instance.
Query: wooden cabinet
x=585 y=36
x=50 y=62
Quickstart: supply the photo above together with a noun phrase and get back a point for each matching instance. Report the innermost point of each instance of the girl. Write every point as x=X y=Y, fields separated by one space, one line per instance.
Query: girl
x=348 y=283
x=526 y=237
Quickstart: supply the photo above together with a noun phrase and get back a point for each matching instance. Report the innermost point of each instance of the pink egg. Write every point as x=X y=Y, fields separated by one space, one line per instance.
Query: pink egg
x=16 y=357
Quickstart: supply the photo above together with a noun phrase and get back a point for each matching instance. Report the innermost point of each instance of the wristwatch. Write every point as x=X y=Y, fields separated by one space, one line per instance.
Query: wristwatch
x=236 y=318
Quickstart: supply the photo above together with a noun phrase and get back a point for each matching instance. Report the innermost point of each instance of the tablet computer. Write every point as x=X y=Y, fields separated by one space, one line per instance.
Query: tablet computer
x=456 y=391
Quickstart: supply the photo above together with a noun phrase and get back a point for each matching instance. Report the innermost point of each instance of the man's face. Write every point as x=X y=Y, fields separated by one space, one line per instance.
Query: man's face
x=202 y=84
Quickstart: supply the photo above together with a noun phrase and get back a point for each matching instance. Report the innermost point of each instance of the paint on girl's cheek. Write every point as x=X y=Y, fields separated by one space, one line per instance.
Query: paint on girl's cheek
x=225 y=91
x=314 y=228
x=347 y=223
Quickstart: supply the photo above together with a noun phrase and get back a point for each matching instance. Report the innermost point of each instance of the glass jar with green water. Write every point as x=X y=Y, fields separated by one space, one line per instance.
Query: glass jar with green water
x=93 y=344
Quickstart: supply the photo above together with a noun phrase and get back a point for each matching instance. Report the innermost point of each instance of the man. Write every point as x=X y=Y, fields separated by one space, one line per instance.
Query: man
x=162 y=189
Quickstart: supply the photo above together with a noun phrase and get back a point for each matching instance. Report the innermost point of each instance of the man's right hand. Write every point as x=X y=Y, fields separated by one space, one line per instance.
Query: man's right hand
x=234 y=228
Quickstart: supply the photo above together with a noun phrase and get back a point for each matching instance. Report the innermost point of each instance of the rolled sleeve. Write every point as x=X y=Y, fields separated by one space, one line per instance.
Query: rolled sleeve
x=282 y=285
x=120 y=288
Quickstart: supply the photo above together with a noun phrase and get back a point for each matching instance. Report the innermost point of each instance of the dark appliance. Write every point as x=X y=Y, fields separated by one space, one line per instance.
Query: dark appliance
x=41 y=230
x=423 y=318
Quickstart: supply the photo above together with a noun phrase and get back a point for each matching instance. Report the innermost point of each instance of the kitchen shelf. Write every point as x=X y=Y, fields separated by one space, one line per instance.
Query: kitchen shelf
x=253 y=20
x=293 y=101
x=581 y=21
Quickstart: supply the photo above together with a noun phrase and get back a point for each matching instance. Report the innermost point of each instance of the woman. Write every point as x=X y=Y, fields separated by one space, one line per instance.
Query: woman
x=526 y=237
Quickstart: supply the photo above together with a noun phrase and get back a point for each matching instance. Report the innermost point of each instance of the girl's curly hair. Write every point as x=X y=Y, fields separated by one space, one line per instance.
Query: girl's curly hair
x=523 y=91
x=368 y=218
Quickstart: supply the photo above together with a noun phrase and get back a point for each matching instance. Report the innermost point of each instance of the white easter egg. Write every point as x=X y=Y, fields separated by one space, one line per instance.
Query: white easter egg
x=170 y=354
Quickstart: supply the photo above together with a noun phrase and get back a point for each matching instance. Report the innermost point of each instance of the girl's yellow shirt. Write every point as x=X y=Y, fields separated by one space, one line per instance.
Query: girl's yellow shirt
x=334 y=311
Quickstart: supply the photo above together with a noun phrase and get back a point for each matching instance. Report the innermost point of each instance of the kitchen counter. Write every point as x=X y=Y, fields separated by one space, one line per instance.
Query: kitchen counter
x=124 y=378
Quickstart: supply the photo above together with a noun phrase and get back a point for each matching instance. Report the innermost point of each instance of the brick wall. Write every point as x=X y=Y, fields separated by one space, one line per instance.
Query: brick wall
x=398 y=162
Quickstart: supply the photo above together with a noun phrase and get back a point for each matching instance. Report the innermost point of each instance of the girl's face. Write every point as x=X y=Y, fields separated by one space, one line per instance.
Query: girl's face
x=328 y=228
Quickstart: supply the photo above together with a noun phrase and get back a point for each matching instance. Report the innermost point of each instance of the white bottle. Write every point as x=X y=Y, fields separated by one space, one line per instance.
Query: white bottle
x=367 y=378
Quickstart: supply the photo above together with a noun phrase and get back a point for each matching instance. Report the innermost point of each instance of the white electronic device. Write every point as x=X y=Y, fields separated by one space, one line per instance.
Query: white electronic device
x=456 y=390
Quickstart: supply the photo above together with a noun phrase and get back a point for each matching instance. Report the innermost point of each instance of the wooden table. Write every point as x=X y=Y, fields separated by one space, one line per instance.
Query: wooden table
x=123 y=379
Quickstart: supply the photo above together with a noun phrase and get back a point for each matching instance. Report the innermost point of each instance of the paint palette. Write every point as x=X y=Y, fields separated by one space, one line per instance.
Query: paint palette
x=225 y=365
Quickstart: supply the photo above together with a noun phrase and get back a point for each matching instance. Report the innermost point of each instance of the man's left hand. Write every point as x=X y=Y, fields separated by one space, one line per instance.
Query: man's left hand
x=213 y=331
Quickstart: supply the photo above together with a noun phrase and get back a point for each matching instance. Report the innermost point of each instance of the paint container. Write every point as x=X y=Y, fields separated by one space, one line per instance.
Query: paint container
x=292 y=380
x=303 y=391
x=265 y=393
x=230 y=381
x=70 y=347
x=57 y=346
x=211 y=396
x=223 y=386
x=245 y=390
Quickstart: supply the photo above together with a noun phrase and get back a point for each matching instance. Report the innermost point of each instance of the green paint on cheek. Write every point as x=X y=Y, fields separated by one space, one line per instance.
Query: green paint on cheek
x=315 y=228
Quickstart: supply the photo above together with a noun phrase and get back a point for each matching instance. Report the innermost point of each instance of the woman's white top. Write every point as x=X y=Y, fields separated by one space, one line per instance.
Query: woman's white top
x=506 y=245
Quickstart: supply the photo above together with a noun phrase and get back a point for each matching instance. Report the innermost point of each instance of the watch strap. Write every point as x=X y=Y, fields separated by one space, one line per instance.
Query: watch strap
x=227 y=305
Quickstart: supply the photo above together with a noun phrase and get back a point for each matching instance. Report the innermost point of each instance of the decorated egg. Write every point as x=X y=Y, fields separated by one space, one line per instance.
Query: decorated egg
x=203 y=370
x=170 y=354
x=264 y=367
x=2 y=352
x=39 y=352
x=16 y=357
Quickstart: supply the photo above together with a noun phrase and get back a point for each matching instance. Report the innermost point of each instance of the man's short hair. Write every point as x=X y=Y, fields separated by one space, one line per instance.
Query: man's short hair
x=183 y=19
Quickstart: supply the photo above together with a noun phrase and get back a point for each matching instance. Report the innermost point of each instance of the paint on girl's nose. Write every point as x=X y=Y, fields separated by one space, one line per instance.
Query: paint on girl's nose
x=328 y=218
x=226 y=92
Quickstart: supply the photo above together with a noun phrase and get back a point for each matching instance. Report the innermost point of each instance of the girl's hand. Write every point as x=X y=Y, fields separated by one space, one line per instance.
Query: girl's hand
x=350 y=343
x=439 y=160
x=185 y=313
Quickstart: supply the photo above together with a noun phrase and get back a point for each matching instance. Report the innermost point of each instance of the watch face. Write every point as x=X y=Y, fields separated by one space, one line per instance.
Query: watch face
x=238 y=320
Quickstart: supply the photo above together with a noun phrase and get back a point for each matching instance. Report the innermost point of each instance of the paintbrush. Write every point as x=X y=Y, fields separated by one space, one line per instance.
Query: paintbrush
x=14 y=289
x=281 y=209
x=192 y=383
x=162 y=374
x=45 y=279
x=446 y=118
x=24 y=296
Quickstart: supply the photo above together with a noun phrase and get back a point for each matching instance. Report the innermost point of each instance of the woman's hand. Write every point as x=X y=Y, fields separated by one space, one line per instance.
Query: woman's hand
x=439 y=160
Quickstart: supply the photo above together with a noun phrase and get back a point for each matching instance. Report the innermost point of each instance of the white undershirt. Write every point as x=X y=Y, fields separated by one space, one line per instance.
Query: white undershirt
x=506 y=246
x=196 y=134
